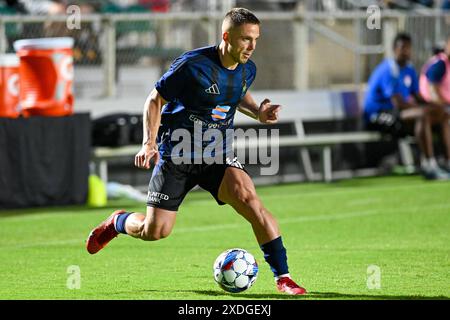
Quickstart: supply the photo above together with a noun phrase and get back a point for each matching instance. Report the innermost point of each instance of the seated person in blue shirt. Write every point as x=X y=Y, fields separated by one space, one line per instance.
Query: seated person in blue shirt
x=394 y=105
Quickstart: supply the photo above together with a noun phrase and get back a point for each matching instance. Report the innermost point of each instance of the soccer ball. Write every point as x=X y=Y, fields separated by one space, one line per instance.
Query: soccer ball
x=235 y=270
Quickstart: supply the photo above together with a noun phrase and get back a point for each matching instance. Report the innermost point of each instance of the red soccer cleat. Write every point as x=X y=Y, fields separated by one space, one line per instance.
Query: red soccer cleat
x=102 y=234
x=286 y=284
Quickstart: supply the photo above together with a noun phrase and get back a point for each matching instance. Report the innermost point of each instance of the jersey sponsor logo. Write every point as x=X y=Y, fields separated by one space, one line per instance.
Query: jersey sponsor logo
x=214 y=89
x=156 y=197
x=210 y=125
x=220 y=112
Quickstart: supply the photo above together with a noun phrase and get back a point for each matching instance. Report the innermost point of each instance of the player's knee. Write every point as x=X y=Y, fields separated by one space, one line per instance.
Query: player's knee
x=250 y=202
x=164 y=233
x=246 y=196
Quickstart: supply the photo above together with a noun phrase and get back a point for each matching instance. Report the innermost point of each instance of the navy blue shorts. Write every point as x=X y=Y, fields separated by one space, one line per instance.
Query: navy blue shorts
x=171 y=182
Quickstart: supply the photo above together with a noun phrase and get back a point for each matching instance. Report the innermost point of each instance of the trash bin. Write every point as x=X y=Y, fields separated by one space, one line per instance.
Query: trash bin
x=9 y=86
x=46 y=76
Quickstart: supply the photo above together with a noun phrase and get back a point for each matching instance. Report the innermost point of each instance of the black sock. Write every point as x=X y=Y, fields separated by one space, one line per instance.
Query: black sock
x=275 y=256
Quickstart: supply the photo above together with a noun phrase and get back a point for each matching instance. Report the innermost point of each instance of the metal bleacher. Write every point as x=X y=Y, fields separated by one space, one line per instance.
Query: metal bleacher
x=298 y=108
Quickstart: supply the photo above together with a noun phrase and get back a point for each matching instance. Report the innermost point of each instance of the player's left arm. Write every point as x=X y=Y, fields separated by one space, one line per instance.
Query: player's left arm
x=265 y=112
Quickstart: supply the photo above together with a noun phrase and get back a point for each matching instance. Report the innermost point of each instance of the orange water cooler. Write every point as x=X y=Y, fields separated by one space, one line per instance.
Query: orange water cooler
x=46 y=76
x=9 y=86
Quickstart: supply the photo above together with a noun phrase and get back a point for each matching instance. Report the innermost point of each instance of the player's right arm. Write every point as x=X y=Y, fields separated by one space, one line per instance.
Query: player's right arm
x=151 y=122
x=264 y=113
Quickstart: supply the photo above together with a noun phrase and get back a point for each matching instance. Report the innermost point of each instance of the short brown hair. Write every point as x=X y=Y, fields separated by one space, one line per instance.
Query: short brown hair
x=401 y=37
x=239 y=16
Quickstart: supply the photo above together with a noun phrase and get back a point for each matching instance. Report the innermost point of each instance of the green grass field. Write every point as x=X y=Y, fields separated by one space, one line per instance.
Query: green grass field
x=332 y=232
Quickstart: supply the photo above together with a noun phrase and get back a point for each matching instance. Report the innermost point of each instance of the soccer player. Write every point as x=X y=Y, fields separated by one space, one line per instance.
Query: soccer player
x=435 y=87
x=203 y=87
x=394 y=105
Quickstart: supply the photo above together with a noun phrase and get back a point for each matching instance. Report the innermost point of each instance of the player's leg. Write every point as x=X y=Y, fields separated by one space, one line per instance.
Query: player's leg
x=440 y=118
x=155 y=225
x=424 y=118
x=436 y=116
x=446 y=138
x=237 y=189
x=422 y=129
x=167 y=188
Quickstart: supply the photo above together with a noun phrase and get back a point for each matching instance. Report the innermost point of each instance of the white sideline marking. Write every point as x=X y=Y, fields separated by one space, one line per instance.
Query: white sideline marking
x=210 y=228
x=330 y=192
x=209 y=201
x=237 y=225
x=43 y=244
x=281 y=221
x=364 y=202
x=38 y=216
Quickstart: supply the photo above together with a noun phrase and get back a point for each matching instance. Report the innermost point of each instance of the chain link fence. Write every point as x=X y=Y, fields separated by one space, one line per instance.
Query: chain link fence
x=122 y=54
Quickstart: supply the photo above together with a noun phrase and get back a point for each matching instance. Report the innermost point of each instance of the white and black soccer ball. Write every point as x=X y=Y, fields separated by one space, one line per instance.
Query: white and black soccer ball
x=235 y=270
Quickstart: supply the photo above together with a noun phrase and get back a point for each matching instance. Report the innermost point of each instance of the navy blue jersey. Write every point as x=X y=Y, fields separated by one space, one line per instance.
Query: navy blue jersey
x=200 y=92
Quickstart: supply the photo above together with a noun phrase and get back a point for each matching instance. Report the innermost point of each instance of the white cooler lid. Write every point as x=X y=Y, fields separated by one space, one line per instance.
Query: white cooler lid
x=44 y=43
x=9 y=60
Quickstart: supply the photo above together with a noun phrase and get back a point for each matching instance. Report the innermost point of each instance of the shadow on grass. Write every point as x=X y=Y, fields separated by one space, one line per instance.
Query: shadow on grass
x=280 y=296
